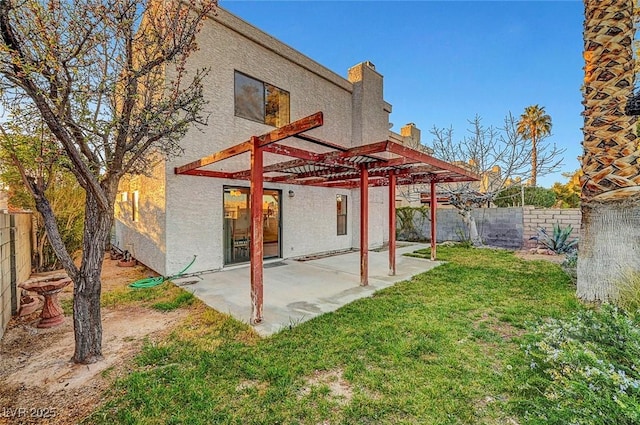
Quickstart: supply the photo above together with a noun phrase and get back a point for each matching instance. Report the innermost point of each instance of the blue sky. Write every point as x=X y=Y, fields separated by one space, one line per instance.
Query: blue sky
x=443 y=62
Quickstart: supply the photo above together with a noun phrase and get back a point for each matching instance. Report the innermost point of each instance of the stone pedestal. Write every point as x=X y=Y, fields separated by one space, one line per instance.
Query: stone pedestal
x=49 y=287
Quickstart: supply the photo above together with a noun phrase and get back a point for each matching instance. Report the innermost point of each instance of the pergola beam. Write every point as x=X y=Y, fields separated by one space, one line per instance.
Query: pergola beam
x=418 y=156
x=290 y=151
x=216 y=157
x=209 y=173
x=289 y=130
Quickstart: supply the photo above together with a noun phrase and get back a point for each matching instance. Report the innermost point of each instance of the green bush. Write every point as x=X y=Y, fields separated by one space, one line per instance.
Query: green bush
x=585 y=370
x=410 y=223
x=536 y=196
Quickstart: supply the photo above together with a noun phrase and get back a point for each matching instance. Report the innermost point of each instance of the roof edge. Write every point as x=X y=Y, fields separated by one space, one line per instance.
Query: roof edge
x=269 y=42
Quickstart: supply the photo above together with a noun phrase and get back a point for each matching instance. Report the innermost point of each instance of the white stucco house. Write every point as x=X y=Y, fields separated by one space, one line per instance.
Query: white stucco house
x=256 y=84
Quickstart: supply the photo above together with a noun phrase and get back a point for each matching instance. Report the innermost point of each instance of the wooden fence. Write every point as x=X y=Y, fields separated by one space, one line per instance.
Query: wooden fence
x=15 y=262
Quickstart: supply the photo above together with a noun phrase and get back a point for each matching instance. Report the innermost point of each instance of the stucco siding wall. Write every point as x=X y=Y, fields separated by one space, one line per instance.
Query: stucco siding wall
x=310 y=221
x=370 y=111
x=145 y=239
x=378 y=217
x=225 y=50
x=194 y=223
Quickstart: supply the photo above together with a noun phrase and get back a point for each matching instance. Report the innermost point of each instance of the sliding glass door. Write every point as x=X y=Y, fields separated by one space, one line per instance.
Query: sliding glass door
x=237 y=224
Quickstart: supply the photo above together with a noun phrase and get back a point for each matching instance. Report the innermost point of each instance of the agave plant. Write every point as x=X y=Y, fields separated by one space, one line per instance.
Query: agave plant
x=557 y=242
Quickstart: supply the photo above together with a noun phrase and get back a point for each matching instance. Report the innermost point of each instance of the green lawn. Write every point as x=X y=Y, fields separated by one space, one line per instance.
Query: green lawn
x=443 y=348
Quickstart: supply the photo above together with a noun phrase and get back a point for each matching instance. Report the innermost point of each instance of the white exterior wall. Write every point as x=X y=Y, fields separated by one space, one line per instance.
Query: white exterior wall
x=145 y=239
x=193 y=213
x=378 y=217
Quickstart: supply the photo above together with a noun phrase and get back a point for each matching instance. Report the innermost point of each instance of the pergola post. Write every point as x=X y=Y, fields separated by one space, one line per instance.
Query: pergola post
x=433 y=206
x=392 y=223
x=364 y=226
x=256 y=247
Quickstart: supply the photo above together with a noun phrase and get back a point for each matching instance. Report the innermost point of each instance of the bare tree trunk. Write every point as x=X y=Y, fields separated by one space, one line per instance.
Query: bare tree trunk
x=87 y=320
x=609 y=237
x=470 y=221
x=41 y=243
x=87 y=285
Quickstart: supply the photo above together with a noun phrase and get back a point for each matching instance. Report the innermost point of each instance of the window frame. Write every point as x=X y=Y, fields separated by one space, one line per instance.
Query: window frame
x=266 y=89
x=341 y=200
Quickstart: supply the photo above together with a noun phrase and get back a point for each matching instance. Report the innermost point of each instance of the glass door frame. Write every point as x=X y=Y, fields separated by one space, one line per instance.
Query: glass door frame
x=229 y=251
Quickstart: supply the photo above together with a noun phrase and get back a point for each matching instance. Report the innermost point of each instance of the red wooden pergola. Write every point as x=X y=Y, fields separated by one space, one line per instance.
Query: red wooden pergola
x=383 y=163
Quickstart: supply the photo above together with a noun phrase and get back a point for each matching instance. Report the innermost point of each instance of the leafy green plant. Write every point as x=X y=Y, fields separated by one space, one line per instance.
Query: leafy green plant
x=558 y=241
x=66 y=196
x=410 y=223
x=536 y=196
x=585 y=370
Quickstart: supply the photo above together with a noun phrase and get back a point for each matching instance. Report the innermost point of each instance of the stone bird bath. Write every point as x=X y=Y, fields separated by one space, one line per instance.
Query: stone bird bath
x=48 y=286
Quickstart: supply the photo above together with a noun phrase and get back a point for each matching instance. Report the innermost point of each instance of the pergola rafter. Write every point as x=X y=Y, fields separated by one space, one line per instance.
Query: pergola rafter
x=383 y=163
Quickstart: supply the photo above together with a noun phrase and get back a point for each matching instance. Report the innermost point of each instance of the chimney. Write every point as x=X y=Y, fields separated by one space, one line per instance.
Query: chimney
x=411 y=134
x=370 y=113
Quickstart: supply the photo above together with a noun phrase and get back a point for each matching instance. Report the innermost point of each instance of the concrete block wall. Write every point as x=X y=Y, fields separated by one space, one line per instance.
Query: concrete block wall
x=5 y=272
x=503 y=227
x=497 y=226
x=534 y=218
x=15 y=262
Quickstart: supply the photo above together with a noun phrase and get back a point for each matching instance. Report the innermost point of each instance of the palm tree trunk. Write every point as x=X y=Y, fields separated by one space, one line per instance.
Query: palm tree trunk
x=608 y=247
x=610 y=228
x=534 y=161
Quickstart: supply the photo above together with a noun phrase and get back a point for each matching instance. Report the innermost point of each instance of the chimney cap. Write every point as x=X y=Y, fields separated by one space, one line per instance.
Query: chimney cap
x=370 y=64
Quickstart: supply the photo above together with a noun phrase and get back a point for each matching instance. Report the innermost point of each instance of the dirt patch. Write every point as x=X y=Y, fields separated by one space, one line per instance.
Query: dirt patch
x=503 y=329
x=339 y=388
x=535 y=256
x=40 y=383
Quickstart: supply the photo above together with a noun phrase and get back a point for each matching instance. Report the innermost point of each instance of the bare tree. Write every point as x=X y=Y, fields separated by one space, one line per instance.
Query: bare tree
x=108 y=79
x=499 y=155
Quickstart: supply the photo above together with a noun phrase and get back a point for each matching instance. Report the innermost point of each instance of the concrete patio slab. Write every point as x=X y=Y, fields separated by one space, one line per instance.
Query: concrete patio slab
x=296 y=291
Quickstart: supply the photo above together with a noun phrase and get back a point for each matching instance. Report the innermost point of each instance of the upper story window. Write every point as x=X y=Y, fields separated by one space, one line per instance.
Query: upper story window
x=260 y=101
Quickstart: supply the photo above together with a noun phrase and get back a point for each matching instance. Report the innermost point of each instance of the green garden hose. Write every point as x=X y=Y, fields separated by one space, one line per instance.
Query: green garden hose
x=149 y=282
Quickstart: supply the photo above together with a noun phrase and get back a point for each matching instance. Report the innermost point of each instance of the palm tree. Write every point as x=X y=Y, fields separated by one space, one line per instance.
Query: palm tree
x=533 y=125
x=610 y=231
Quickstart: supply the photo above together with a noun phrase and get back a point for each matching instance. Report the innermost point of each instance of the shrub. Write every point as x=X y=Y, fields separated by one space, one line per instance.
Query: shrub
x=586 y=370
x=558 y=241
x=536 y=196
x=410 y=223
